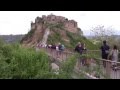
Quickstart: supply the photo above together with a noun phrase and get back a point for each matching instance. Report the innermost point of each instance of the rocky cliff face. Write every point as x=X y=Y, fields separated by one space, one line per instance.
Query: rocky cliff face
x=51 y=29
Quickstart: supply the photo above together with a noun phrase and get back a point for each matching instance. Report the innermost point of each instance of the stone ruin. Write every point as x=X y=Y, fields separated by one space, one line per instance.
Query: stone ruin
x=69 y=25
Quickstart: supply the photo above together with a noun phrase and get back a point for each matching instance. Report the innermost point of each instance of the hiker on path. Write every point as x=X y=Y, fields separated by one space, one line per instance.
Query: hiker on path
x=61 y=47
x=79 y=48
x=105 y=52
x=114 y=55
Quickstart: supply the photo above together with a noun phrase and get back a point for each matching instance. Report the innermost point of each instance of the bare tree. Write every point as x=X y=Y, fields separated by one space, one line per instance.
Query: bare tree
x=101 y=33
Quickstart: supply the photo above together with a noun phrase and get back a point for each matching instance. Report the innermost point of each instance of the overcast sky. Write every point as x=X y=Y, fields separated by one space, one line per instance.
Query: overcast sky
x=18 y=22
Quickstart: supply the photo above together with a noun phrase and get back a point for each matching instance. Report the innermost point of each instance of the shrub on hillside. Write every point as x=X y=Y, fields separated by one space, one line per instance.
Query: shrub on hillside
x=22 y=63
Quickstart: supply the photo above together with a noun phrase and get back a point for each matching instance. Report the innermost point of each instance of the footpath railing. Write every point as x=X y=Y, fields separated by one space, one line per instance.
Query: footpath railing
x=95 y=67
x=63 y=55
x=92 y=66
x=98 y=67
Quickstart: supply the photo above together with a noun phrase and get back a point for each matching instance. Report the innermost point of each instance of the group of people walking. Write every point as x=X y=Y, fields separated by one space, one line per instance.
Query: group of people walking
x=106 y=52
x=58 y=47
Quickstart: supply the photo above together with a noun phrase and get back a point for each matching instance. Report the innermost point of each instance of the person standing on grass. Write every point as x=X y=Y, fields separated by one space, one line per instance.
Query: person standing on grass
x=105 y=52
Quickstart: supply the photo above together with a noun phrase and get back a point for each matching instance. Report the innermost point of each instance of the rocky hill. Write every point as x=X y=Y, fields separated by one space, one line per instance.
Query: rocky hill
x=53 y=29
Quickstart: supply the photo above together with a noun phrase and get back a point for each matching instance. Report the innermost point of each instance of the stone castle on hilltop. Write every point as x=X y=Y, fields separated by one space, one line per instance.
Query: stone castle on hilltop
x=69 y=25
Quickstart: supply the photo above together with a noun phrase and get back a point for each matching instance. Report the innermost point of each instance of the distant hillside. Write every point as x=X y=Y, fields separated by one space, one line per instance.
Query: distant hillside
x=53 y=29
x=89 y=36
x=11 y=38
x=116 y=37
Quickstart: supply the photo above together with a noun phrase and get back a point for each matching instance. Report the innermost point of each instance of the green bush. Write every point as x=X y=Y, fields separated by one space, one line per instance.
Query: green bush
x=23 y=63
x=67 y=68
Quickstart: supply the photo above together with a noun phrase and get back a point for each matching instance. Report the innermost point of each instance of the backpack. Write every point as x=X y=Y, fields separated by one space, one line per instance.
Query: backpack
x=62 y=47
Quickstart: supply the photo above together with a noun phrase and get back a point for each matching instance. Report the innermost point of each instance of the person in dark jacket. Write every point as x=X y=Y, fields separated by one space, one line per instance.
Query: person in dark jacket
x=105 y=52
x=79 y=48
x=76 y=48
